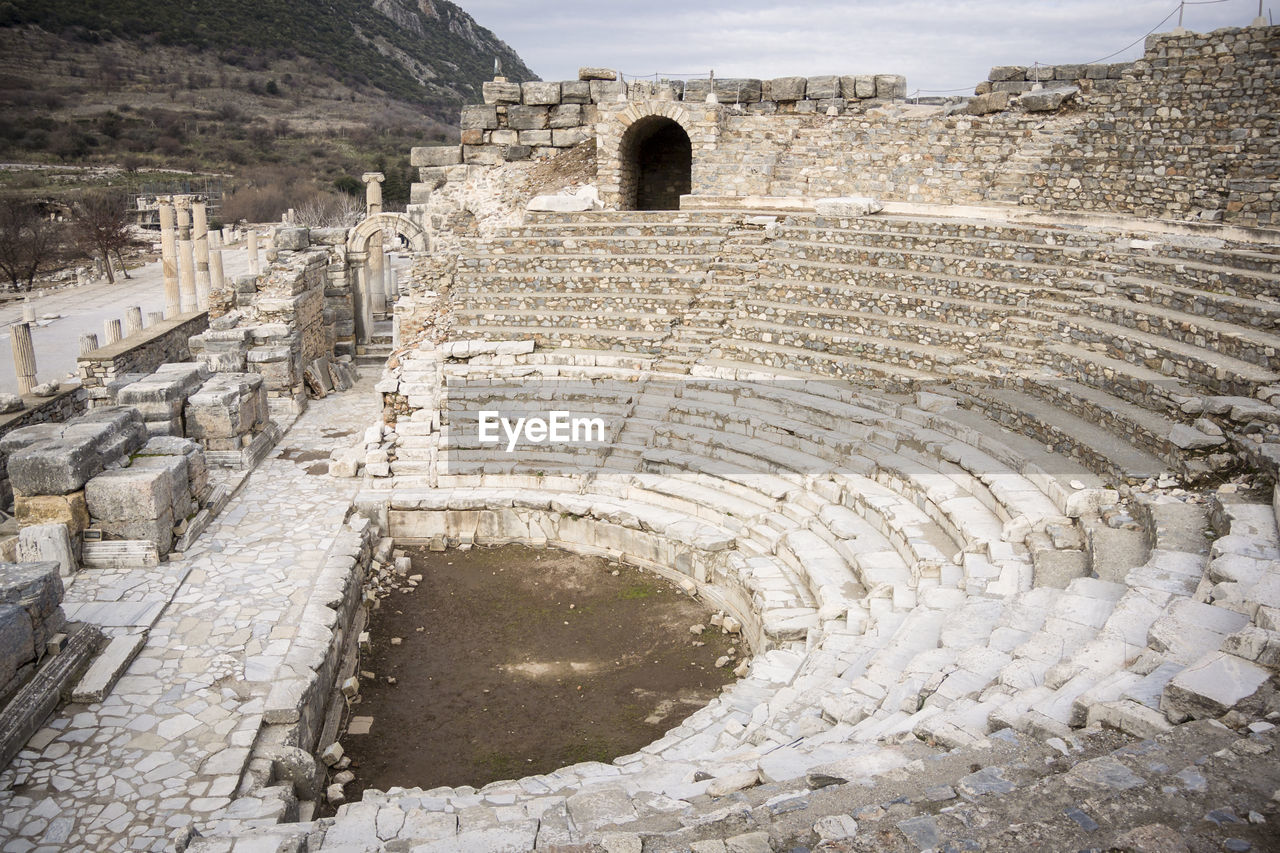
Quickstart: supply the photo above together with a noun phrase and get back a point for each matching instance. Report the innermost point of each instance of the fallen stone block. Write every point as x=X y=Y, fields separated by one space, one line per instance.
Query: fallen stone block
x=58 y=459
x=126 y=494
x=35 y=587
x=17 y=644
x=991 y=102
x=48 y=543
x=69 y=510
x=1211 y=686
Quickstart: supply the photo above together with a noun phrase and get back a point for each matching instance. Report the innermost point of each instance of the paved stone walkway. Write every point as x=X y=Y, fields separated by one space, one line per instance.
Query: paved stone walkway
x=168 y=745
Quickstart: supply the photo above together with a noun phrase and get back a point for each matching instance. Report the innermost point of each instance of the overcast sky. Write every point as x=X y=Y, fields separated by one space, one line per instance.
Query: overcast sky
x=940 y=44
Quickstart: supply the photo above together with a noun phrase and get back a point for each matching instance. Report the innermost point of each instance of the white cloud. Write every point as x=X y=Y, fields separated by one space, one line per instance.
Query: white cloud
x=936 y=44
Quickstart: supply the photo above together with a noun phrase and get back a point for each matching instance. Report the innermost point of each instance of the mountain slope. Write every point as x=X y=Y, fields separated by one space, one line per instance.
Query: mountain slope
x=427 y=52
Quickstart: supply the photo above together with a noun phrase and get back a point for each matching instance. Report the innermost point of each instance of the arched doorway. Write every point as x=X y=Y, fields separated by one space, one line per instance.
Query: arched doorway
x=657 y=164
x=372 y=281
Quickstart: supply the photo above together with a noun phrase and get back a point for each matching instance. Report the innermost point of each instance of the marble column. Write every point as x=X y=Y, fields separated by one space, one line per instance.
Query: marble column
x=132 y=321
x=169 y=255
x=186 y=256
x=255 y=267
x=217 y=279
x=200 y=234
x=24 y=356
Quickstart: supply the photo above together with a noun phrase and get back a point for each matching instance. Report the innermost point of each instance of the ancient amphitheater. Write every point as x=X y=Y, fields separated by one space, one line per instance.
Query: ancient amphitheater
x=965 y=414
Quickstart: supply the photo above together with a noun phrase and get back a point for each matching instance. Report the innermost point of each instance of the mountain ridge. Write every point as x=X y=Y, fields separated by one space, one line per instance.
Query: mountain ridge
x=426 y=52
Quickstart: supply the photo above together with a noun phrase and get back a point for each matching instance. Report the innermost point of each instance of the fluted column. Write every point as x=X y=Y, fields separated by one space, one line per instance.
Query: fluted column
x=169 y=255
x=24 y=356
x=88 y=343
x=112 y=330
x=132 y=321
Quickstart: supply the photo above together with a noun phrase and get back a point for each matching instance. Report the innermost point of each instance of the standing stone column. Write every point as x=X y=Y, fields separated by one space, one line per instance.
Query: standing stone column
x=28 y=310
x=24 y=357
x=88 y=343
x=254 y=267
x=154 y=318
x=372 y=192
x=169 y=254
x=363 y=306
x=217 y=279
x=186 y=256
x=377 y=276
x=373 y=206
x=200 y=228
x=112 y=329
x=132 y=321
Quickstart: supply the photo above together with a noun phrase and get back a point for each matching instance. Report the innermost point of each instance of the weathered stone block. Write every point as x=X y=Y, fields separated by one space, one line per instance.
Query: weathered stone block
x=540 y=93
x=825 y=86
x=1001 y=73
x=1070 y=72
x=527 y=117
x=129 y=493
x=17 y=643
x=435 y=155
x=1047 y=99
x=891 y=86
x=504 y=137
x=535 y=138
x=293 y=239
x=227 y=406
x=565 y=115
x=174 y=468
x=569 y=137
x=511 y=153
x=35 y=587
x=1212 y=686
x=481 y=155
x=192 y=452
x=500 y=92
x=575 y=92
x=157 y=530
x=51 y=542
x=477 y=117
x=785 y=89
x=864 y=86
x=60 y=459
x=608 y=91
x=739 y=90
x=992 y=102
x=69 y=510
x=590 y=73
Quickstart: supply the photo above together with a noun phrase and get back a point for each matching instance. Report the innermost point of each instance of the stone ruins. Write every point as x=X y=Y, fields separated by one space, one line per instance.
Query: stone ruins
x=965 y=415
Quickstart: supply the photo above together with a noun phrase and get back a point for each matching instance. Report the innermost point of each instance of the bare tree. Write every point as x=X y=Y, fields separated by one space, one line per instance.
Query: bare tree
x=330 y=210
x=28 y=242
x=100 y=224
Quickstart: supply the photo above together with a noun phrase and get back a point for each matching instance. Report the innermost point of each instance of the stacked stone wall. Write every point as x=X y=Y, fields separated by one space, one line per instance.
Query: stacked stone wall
x=1186 y=132
x=1190 y=128
x=163 y=343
